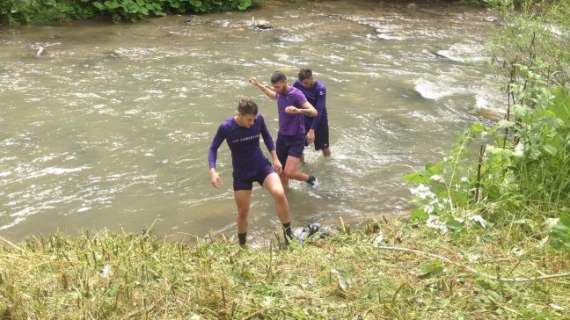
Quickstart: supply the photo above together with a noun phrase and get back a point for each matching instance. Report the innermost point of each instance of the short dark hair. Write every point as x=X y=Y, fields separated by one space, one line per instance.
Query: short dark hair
x=305 y=74
x=278 y=76
x=247 y=106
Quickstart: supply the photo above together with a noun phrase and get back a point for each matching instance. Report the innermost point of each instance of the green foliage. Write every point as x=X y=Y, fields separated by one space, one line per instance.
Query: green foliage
x=14 y=12
x=561 y=233
x=524 y=173
x=43 y=11
x=430 y=269
x=516 y=172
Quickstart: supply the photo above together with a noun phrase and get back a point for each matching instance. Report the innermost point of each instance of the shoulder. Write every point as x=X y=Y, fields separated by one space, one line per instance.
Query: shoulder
x=320 y=86
x=260 y=117
x=297 y=84
x=296 y=92
x=226 y=124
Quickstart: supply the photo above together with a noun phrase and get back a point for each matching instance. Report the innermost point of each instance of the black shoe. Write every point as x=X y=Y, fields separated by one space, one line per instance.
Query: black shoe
x=313 y=182
x=288 y=235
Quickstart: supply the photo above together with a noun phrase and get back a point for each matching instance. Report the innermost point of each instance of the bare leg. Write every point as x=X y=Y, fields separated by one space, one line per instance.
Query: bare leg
x=284 y=180
x=274 y=186
x=327 y=152
x=292 y=169
x=243 y=199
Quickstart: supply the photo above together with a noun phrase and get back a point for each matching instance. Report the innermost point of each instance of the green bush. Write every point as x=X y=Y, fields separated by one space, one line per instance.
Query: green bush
x=14 y=12
x=561 y=233
x=515 y=174
x=44 y=11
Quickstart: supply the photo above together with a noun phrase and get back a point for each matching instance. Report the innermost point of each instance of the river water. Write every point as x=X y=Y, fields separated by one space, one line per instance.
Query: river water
x=110 y=126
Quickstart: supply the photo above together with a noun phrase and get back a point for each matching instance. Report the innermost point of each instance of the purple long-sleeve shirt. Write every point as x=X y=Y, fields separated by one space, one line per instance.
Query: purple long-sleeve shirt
x=291 y=124
x=247 y=157
x=317 y=97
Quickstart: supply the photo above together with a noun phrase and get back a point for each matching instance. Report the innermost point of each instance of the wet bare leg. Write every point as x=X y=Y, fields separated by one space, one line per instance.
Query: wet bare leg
x=284 y=180
x=327 y=152
x=274 y=186
x=292 y=169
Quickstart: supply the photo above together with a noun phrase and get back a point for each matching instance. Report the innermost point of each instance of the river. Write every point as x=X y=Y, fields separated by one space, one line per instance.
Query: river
x=109 y=127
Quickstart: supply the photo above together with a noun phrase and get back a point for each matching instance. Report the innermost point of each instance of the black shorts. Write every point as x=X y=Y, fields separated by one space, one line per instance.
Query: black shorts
x=321 y=136
x=259 y=177
x=289 y=146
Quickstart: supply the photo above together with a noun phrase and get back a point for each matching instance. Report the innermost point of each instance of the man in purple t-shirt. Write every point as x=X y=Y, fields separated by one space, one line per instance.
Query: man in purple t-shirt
x=317 y=128
x=242 y=132
x=292 y=107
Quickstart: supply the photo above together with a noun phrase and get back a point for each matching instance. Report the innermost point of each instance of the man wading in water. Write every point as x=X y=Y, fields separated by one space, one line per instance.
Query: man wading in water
x=317 y=128
x=292 y=107
x=242 y=133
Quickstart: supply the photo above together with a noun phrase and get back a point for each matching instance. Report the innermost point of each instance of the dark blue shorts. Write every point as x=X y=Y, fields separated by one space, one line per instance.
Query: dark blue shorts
x=241 y=183
x=289 y=146
x=321 y=136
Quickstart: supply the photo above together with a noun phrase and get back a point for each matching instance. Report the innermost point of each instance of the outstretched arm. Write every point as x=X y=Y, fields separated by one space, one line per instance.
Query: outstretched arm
x=215 y=179
x=265 y=89
x=277 y=165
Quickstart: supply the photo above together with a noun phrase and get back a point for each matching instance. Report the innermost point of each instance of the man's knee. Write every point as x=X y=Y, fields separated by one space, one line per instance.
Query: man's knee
x=278 y=193
x=242 y=213
x=289 y=171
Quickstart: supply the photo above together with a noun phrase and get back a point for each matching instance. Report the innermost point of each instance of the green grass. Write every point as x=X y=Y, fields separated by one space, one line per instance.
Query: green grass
x=350 y=275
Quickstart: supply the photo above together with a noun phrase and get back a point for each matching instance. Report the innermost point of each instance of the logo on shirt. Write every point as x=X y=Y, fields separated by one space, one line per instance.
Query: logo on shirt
x=321 y=93
x=245 y=139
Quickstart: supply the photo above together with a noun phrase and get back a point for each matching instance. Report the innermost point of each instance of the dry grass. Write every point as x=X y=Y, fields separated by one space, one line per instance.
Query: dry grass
x=345 y=276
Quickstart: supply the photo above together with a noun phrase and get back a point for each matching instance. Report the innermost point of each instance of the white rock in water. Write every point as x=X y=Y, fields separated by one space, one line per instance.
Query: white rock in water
x=485 y=105
x=463 y=52
x=40 y=52
x=435 y=91
x=260 y=24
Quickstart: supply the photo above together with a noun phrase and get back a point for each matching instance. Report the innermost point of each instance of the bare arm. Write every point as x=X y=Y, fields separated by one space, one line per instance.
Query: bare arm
x=265 y=89
x=309 y=110
x=306 y=109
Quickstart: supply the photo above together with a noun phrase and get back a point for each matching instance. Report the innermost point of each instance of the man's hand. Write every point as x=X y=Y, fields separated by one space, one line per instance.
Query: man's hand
x=277 y=166
x=255 y=82
x=310 y=136
x=293 y=110
x=215 y=179
x=267 y=90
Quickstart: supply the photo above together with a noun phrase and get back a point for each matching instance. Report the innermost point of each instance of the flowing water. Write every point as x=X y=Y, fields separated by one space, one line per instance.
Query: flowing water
x=109 y=127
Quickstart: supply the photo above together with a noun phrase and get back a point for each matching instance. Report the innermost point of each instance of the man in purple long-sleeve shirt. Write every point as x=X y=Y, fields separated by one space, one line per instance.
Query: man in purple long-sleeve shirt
x=292 y=107
x=242 y=133
x=317 y=128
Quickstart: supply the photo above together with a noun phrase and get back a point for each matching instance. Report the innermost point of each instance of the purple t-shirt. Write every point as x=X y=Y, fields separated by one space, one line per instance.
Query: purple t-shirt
x=291 y=124
x=316 y=95
x=247 y=157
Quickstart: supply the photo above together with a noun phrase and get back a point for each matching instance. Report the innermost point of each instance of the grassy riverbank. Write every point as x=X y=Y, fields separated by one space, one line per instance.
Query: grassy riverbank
x=389 y=270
